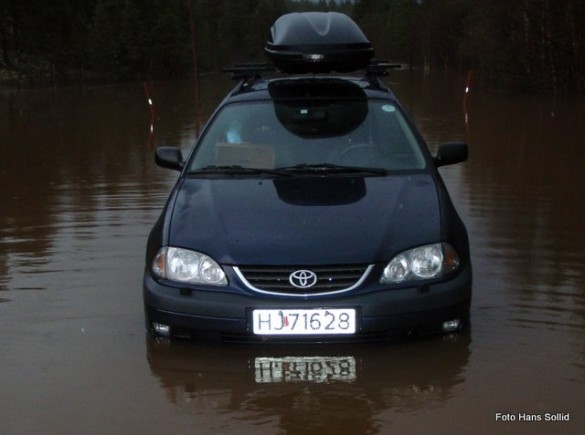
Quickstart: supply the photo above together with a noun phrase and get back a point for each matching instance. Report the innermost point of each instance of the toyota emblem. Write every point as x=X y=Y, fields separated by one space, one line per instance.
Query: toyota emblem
x=303 y=278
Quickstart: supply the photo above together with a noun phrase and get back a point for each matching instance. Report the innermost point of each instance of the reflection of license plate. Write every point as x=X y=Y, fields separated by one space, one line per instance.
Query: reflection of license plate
x=305 y=369
x=304 y=322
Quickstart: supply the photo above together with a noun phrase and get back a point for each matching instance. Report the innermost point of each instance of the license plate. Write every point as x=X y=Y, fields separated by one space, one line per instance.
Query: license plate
x=316 y=369
x=304 y=321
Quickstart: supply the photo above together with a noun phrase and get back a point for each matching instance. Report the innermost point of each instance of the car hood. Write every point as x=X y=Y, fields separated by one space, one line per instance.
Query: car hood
x=305 y=220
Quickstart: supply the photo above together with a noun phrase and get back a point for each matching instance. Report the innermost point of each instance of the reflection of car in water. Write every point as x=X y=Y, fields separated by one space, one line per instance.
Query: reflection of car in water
x=309 y=209
x=236 y=381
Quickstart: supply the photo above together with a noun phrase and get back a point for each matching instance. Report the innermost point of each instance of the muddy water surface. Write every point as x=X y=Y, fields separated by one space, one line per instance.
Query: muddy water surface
x=79 y=192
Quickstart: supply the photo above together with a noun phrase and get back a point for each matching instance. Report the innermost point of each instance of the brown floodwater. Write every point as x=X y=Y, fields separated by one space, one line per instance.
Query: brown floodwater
x=79 y=192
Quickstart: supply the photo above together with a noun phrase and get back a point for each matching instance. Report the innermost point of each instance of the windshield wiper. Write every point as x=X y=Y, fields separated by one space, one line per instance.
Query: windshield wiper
x=332 y=168
x=238 y=170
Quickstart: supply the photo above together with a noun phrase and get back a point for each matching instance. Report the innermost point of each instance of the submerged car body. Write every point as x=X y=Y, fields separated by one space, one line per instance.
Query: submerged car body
x=309 y=209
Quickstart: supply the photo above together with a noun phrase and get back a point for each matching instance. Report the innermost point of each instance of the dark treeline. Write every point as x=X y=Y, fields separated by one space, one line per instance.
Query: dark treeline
x=65 y=40
x=526 y=45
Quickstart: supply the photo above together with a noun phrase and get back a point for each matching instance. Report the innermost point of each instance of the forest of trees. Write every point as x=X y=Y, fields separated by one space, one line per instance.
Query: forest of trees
x=522 y=45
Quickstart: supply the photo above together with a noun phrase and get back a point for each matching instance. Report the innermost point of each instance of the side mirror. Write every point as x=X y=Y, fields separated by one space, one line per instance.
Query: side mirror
x=169 y=157
x=451 y=153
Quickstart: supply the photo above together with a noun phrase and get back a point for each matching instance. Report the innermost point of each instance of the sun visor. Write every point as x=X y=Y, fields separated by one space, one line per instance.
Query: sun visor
x=317 y=42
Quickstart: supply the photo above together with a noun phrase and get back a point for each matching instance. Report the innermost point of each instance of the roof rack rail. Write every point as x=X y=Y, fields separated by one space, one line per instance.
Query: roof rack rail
x=379 y=67
x=247 y=71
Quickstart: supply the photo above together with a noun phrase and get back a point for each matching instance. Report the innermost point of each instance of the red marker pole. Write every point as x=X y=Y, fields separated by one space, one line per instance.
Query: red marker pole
x=466 y=93
x=152 y=113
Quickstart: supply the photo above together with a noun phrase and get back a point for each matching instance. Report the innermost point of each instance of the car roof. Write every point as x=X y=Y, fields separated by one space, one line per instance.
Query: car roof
x=256 y=87
x=253 y=85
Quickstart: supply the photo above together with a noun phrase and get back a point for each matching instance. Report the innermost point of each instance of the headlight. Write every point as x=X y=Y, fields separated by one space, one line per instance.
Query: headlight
x=425 y=262
x=183 y=265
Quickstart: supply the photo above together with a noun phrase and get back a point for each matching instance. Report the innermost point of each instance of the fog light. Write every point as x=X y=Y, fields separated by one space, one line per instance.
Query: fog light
x=160 y=329
x=451 y=325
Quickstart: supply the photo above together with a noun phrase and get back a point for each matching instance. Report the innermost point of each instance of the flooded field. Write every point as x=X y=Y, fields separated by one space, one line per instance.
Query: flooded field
x=79 y=193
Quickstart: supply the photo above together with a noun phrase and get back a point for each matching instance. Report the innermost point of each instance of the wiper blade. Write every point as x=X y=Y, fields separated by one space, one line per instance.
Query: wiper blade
x=330 y=167
x=237 y=170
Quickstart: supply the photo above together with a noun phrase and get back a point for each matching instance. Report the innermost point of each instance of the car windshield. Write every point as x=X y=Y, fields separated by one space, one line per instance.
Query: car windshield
x=301 y=135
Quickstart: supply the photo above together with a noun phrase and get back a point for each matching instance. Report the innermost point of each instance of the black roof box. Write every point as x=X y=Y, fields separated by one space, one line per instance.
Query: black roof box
x=318 y=42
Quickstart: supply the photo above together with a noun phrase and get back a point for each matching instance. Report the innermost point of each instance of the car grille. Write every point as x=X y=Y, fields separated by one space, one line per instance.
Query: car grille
x=330 y=279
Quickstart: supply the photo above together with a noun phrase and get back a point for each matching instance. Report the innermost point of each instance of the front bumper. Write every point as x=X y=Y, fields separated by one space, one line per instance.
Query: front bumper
x=381 y=312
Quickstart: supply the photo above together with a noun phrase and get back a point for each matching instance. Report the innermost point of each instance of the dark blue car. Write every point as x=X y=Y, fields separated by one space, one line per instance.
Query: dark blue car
x=310 y=209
